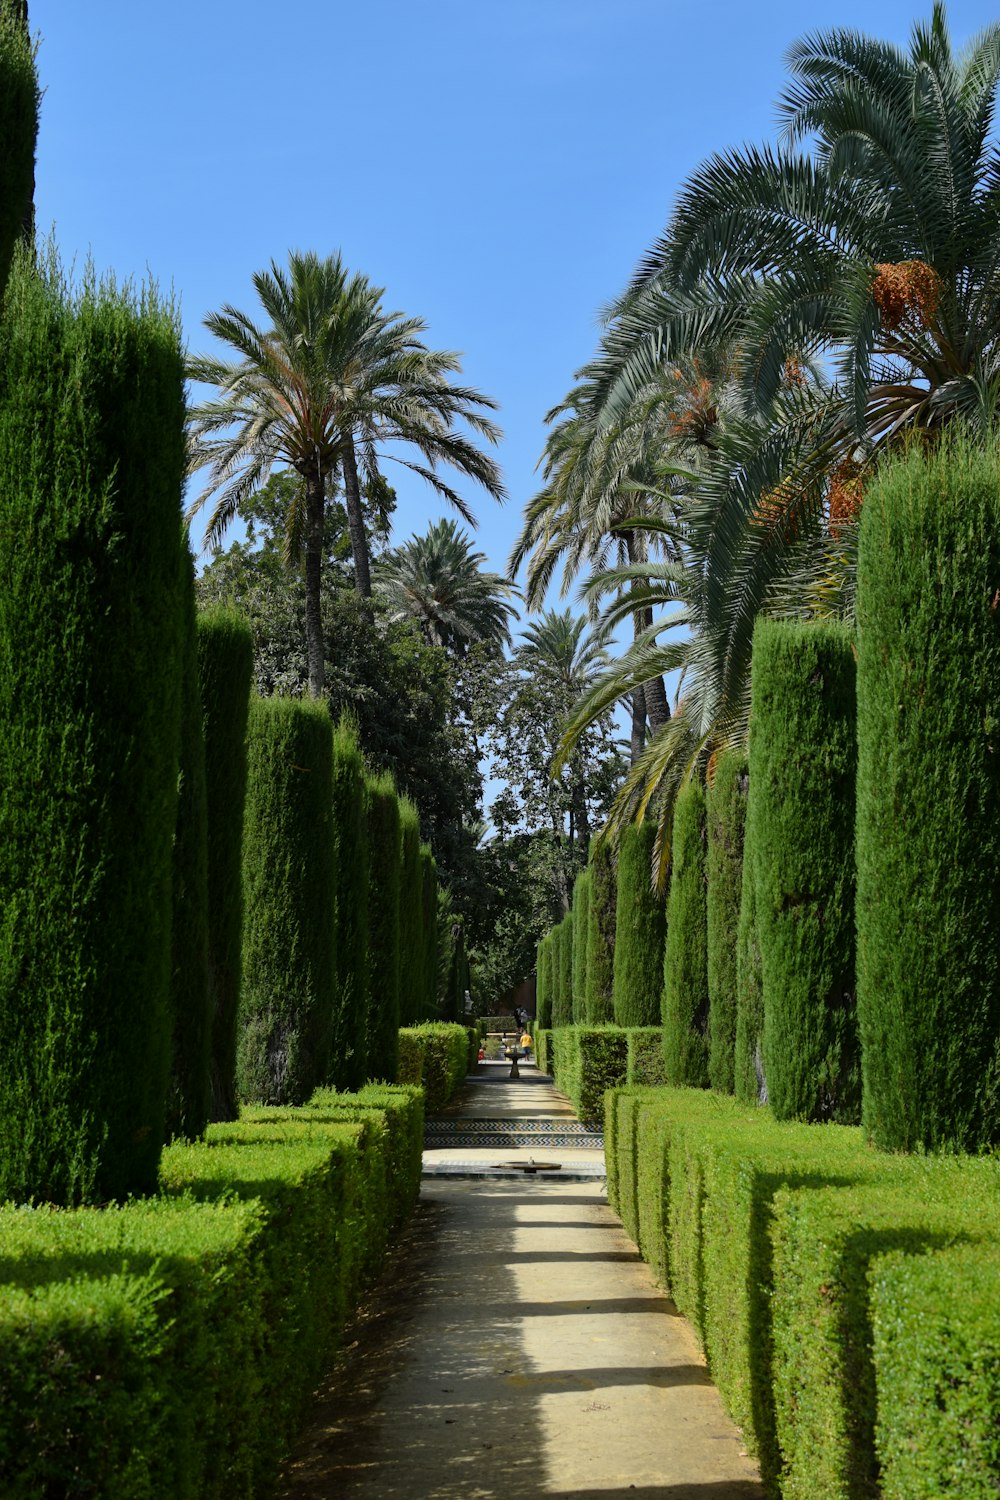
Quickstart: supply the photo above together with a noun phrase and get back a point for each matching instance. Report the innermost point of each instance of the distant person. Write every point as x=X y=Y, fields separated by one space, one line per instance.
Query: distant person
x=525 y=1043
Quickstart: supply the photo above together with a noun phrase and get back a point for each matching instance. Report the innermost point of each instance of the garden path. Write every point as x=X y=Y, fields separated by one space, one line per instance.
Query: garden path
x=519 y=1348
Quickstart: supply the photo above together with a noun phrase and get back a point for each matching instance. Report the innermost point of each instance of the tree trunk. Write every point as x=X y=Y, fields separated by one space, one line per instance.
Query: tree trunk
x=579 y=814
x=638 y=742
x=655 y=693
x=315 y=496
x=356 y=520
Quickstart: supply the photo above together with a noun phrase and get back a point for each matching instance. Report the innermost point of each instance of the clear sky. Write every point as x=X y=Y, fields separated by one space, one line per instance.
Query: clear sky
x=497 y=165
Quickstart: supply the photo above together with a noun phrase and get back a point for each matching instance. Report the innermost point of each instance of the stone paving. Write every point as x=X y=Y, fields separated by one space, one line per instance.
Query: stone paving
x=519 y=1348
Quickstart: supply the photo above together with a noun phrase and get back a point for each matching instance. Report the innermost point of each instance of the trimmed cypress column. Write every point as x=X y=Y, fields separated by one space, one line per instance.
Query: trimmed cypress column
x=685 y=956
x=384 y=869
x=639 y=932
x=601 y=936
x=350 y=857
x=725 y=805
x=581 y=926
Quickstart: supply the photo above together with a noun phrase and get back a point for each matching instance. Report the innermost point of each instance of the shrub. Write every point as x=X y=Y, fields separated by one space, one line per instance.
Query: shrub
x=435 y=1056
x=91 y=626
x=350 y=851
x=543 y=1050
x=929 y=800
x=645 y=1055
x=725 y=808
x=589 y=1060
x=685 y=957
x=751 y=1084
x=562 y=999
x=428 y=914
x=19 y=99
x=189 y=1098
x=581 y=925
x=802 y=765
x=411 y=914
x=639 y=932
x=289 y=954
x=601 y=936
x=936 y=1352
x=382 y=1025
x=225 y=671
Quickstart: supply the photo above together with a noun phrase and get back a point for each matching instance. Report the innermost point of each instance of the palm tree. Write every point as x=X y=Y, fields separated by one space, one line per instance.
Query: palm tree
x=439 y=581
x=321 y=385
x=565 y=658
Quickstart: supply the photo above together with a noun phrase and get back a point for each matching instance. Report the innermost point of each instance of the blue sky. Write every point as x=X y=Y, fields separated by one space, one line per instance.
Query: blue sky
x=498 y=167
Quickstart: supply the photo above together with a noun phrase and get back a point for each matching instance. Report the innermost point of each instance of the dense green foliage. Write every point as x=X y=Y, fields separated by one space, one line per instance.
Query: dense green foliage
x=225 y=664
x=581 y=934
x=936 y=1326
x=189 y=1097
x=289 y=946
x=585 y=1061
x=645 y=1055
x=562 y=999
x=350 y=846
x=91 y=630
x=801 y=839
x=428 y=937
x=726 y=805
x=436 y=1056
x=929 y=800
x=544 y=982
x=411 y=916
x=639 y=932
x=685 y=953
x=750 y=1083
x=382 y=1015
x=19 y=99
x=601 y=936
x=765 y=1235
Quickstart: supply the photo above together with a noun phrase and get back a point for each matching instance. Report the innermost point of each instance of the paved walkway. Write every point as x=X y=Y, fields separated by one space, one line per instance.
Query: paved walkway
x=519 y=1349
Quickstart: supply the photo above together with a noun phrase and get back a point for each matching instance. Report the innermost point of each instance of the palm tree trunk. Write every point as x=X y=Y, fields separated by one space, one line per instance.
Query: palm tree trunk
x=314 y=557
x=356 y=520
x=655 y=693
x=638 y=741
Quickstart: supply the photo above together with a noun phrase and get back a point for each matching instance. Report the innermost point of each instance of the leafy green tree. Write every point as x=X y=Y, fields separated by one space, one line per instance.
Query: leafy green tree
x=327 y=377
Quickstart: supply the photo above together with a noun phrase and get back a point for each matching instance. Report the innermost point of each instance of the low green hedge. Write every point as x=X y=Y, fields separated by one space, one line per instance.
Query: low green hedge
x=645 y=1064
x=766 y=1236
x=436 y=1056
x=936 y=1325
x=169 y=1347
x=586 y=1061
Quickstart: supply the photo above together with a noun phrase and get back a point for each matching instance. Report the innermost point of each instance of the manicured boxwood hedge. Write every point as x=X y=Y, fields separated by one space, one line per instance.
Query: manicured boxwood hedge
x=170 y=1347
x=585 y=1061
x=436 y=1056
x=768 y=1237
x=645 y=1055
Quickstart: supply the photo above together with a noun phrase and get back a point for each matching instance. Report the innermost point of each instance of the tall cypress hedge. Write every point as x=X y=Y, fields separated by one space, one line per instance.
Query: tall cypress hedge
x=929 y=800
x=289 y=948
x=350 y=857
x=189 y=1099
x=225 y=671
x=543 y=984
x=562 y=998
x=581 y=932
x=601 y=936
x=803 y=725
x=429 y=933
x=91 y=643
x=411 y=907
x=725 y=809
x=639 y=932
x=19 y=99
x=384 y=871
x=685 y=954
x=750 y=1080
